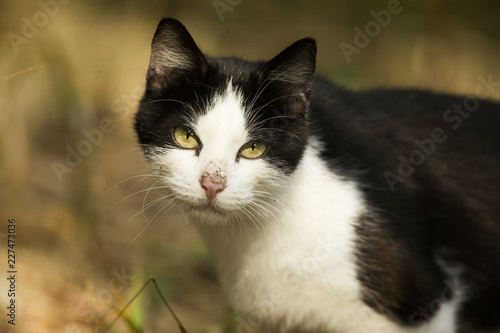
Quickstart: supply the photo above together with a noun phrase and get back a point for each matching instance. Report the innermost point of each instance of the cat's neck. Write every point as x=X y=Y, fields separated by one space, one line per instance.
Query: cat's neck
x=295 y=222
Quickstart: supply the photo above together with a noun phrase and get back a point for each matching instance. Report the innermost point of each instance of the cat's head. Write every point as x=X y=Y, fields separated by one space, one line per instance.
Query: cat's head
x=223 y=134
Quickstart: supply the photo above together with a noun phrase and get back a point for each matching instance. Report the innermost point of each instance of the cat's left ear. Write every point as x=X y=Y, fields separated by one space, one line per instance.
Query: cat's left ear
x=174 y=53
x=292 y=70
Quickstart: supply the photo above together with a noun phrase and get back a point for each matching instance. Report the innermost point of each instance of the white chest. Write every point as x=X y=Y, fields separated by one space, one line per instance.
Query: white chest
x=296 y=270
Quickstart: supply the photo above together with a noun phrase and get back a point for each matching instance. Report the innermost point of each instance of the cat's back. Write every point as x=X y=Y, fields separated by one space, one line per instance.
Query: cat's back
x=404 y=115
x=402 y=138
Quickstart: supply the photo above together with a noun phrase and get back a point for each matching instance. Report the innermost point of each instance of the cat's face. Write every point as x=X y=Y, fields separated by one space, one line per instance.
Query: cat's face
x=223 y=134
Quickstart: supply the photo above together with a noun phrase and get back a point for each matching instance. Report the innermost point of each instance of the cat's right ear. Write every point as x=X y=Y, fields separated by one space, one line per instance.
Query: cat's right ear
x=174 y=53
x=292 y=72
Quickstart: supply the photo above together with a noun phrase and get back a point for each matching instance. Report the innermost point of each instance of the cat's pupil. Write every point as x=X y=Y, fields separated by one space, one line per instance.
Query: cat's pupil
x=188 y=135
x=254 y=145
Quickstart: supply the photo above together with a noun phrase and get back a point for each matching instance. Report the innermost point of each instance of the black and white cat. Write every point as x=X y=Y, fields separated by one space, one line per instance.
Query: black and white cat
x=328 y=210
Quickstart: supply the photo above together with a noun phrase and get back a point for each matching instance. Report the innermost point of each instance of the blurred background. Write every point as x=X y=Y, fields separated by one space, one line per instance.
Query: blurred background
x=89 y=231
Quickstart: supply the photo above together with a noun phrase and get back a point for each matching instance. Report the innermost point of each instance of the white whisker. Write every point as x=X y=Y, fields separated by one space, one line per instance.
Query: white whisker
x=140 y=191
x=149 y=205
x=145 y=176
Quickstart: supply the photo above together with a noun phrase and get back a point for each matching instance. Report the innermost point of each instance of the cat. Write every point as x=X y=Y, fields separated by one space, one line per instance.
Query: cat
x=325 y=209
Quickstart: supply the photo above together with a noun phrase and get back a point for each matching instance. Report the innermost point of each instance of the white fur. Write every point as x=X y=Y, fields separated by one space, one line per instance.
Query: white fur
x=445 y=319
x=285 y=249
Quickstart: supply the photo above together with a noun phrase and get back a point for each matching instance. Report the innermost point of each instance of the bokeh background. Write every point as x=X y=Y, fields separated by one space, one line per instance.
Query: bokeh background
x=89 y=231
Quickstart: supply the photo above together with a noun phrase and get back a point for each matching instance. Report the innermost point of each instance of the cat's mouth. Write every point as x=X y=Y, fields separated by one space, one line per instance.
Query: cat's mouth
x=208 y=207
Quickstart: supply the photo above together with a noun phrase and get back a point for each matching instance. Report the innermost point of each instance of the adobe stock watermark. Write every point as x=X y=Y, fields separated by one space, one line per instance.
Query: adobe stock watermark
x=222 y=6
x=373 y=28
x=454 y=116
x=280 y=120
x=84 y=148
x=94 y=137
x=453 y=290
x=325 y=249
x=31 y=26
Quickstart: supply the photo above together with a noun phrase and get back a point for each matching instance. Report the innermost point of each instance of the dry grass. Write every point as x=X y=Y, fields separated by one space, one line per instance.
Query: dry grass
x=87 y=64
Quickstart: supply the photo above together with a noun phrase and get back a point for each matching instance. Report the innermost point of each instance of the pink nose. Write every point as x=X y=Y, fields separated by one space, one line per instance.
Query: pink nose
x=211 y=189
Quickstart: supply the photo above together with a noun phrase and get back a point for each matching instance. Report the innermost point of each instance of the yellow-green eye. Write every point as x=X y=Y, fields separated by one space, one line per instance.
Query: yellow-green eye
x=253 y=149
x=186 y=138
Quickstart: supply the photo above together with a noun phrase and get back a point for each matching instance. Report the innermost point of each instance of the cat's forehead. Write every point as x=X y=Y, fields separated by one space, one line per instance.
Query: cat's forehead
x=224 y=120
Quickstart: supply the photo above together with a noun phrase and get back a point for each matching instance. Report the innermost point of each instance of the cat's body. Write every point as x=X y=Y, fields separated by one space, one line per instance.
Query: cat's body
x=320 y=215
